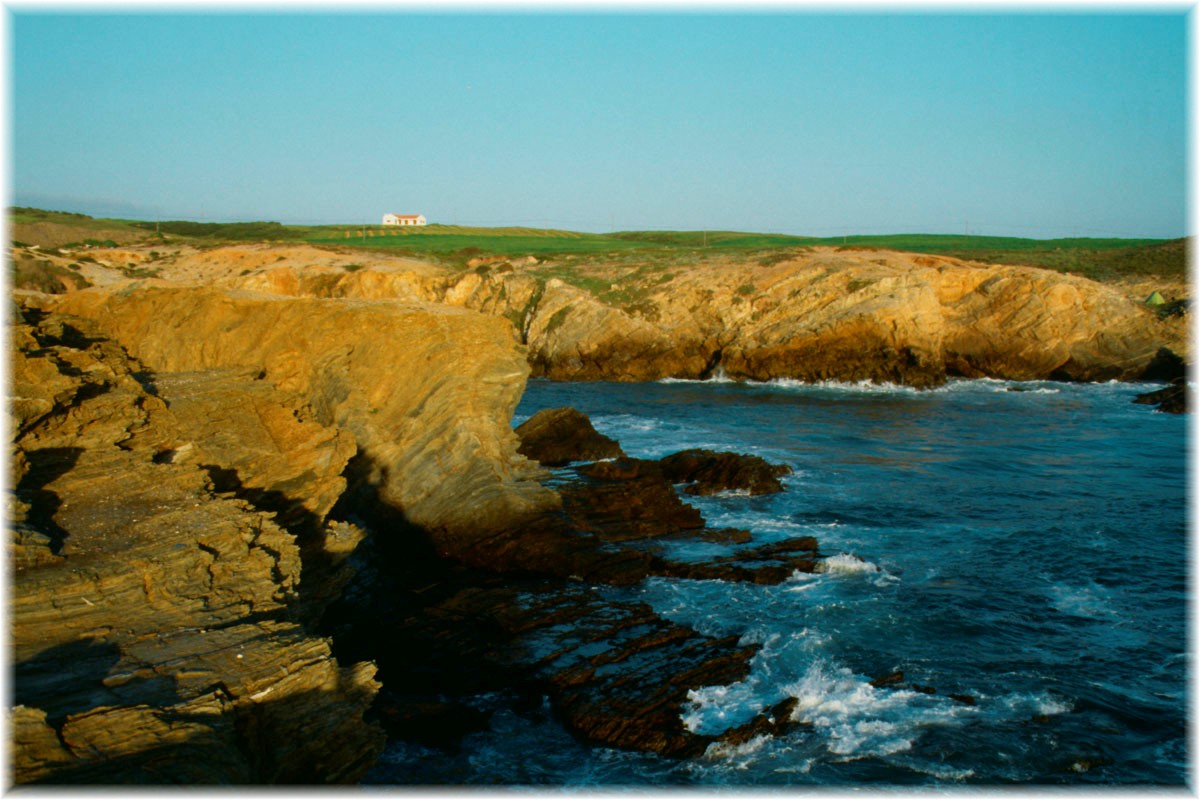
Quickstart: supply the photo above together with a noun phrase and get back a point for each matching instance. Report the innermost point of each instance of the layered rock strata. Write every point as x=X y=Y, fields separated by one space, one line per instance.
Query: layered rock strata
x=814 y=314
x=156 y=623
x=261 y=404
x=424 y=391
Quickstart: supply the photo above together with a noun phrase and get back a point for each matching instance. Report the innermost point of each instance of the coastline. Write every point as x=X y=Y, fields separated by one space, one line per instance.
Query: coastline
x=409 y=458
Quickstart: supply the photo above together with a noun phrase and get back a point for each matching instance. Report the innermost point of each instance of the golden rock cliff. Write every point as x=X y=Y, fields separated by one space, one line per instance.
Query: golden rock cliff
x=816 y=315
x=156 y=623
x=177 y=453
x=426 y=391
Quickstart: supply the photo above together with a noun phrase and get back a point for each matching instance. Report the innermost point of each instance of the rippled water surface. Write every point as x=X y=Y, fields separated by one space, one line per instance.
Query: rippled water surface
x=1025 y=550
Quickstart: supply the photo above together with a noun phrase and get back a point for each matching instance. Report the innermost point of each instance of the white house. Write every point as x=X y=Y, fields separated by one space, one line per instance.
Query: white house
x=404 y=219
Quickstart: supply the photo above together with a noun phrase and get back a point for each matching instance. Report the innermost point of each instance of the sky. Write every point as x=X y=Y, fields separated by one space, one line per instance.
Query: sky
x=790 y=120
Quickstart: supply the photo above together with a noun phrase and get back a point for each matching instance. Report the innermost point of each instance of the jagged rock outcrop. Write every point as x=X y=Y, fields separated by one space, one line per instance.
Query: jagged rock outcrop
x=884 y=317
x=707 y=472
x=818 y=314
x=155 y=622
x=424 y=390
x=557 y=436
x=1174 y=398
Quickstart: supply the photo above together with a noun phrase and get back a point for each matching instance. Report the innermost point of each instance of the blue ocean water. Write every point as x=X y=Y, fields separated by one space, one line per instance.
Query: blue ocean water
x=1026 y=550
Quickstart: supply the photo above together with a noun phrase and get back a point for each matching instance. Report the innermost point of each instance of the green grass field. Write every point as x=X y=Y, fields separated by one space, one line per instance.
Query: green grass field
x=1101 y=259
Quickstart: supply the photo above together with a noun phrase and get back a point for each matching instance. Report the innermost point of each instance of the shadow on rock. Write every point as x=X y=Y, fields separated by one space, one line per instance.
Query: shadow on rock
x=44 y=467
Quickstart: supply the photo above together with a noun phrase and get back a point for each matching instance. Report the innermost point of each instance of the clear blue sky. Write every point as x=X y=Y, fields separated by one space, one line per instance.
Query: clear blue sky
x=1030 y=124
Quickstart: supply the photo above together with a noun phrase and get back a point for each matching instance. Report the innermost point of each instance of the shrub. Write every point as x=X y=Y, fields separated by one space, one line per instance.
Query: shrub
x=42 y=276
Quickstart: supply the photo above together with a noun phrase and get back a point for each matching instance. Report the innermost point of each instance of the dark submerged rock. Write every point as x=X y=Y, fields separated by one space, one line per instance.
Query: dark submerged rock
x=774 y=721
x=708 y=472
x=891 y=679
x=1172 y=399
x=627 y=499
x=1166 y=366
x=521 y=611
x=558 y=436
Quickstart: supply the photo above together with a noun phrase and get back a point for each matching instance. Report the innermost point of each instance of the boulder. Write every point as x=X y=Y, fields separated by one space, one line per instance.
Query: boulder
x=706 y=472
x=555 y=437
x=1171 y=399
x=627 y=499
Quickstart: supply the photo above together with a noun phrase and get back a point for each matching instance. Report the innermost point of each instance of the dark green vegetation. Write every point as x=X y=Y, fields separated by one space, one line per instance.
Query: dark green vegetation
x=234 y=231
x=41 y=275
x=1101 y=259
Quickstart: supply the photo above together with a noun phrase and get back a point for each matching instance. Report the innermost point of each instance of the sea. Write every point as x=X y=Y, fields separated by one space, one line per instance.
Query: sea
x=1022 y=546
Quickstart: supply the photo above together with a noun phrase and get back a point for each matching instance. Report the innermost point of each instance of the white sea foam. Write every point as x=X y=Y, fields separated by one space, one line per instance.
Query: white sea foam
x=847 y=564
x=628 y=422
x=855 y=719
x=718 y=708
x=1026 y=705
x=942 y=771
x=1090 y=600
x=740 y=754
x=717 y=377
x=845 y=386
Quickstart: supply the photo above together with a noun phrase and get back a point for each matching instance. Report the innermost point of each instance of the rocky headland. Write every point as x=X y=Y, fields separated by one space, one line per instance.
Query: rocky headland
x=267 y=507
x=811 y=314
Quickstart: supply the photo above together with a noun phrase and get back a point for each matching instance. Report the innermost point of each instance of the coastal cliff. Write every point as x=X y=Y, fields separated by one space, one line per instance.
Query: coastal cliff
x=180 y=456
x=157 y=623
x=812 y=314
x=252 y=493
x=425 y=391
x=175 y=464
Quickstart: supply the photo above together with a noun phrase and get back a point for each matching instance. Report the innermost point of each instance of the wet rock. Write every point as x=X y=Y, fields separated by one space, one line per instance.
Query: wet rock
x=706 y=472
x=891 y=679
x=774 y=721
x=557 y=436
x=430 y=721
x=614 y=672
x=1172 y=399
x=627 y=499
x=965 y=699
x=725 y=535
x=620 y=675
x=1165 y=366
x=769 y=564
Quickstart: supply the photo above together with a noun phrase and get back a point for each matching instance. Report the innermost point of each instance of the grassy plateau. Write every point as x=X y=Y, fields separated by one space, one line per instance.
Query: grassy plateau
x=1098 y=258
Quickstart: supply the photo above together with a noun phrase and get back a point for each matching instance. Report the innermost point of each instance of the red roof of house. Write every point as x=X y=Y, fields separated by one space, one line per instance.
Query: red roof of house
x=405 y=216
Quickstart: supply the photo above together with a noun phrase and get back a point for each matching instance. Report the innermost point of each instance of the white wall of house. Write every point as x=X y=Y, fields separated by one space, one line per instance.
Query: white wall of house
x=404 y=219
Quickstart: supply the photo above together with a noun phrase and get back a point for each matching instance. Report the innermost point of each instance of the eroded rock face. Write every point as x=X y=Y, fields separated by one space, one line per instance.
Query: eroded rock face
x=231 y=444
x=816 y=314
x=821 y=315
x=425 y=391
x=154 y=621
